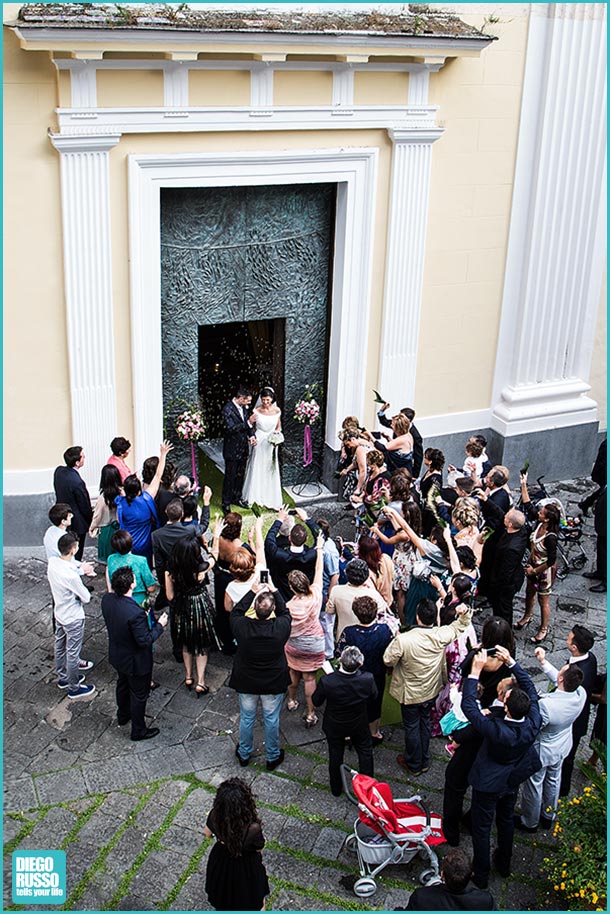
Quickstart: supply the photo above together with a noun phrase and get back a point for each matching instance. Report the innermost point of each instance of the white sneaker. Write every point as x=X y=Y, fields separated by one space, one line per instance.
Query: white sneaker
x=85 y=665
x=83 y=691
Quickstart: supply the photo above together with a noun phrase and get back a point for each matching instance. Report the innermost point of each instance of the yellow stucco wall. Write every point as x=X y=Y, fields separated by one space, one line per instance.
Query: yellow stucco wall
x=382 y=88
x=470 y=198
x=309 y=87
x=219 y=87
x=129 y=88
x=37 y=421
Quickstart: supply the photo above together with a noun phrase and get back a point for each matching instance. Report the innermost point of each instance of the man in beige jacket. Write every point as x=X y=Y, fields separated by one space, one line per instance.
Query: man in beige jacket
x=418 y=659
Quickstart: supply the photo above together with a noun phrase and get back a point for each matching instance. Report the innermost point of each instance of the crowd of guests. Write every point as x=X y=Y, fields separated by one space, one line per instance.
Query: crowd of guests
x=397 y=602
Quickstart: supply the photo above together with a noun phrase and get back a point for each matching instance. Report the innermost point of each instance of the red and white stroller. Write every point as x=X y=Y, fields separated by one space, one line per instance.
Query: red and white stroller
x=388 y=830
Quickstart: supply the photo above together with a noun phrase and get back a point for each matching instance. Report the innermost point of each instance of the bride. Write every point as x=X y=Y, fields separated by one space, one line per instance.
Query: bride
x=262 y=482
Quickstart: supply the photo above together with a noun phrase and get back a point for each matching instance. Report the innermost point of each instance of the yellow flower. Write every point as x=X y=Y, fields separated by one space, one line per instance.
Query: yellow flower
x=556 y=887
x=562 y=886
x=563 y=874
x=594 y=898
x=576 y=848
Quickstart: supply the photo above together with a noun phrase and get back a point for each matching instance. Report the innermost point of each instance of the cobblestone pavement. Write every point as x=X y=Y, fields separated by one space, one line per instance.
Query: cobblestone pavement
x=131 y=815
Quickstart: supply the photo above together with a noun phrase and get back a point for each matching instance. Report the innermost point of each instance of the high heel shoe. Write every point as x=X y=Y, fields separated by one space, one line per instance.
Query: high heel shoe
x=539 y=637
x=201 y=689
x=189 y=683
x=522 y=623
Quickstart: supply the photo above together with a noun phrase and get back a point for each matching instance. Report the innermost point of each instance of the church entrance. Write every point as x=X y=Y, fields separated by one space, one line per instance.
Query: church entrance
x=250 y=350
x=245 y=299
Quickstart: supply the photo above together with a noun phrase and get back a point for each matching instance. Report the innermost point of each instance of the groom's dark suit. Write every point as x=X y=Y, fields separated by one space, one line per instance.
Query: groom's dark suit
x=235 y=452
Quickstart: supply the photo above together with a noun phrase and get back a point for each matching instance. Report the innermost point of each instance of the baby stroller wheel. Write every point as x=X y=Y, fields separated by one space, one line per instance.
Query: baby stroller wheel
x=350 y=844
x=579 y=561
x=429 y=877
x=365 y=887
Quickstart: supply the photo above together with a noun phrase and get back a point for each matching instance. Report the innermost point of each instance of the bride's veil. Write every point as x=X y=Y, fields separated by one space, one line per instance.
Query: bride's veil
x=259 y=399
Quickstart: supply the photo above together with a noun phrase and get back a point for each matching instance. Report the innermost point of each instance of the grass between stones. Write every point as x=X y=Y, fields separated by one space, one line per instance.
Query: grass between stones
x=82 y=819
x=29 y=826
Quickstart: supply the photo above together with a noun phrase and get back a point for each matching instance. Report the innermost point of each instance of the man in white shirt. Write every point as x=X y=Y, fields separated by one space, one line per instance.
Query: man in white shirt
x=559 y=710
x=69 y=596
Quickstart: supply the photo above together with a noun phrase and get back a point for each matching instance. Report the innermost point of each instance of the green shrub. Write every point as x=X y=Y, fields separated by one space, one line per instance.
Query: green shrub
x=577 y=871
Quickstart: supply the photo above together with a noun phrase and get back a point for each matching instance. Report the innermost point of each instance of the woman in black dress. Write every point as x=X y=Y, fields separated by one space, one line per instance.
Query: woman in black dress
x=236 y=879
x=430 y=486
x=192 y=616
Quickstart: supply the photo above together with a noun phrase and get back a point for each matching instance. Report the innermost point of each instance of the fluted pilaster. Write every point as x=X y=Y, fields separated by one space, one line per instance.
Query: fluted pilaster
x=88 y=288
x=555 y=257
x=407 y=224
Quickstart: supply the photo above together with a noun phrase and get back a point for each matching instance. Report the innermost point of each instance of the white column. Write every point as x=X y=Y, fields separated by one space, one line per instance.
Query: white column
x=556 y=250
x=407 y=224
x=83 y=84
x=88 y=287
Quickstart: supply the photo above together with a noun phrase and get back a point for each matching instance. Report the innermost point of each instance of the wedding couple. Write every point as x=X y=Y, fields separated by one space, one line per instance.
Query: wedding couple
x=251 y=472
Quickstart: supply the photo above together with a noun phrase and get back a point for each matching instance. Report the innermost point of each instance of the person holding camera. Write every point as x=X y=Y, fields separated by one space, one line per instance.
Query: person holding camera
x=507 y=757
x=260 y=670
x=298 y=556
x=419 y=672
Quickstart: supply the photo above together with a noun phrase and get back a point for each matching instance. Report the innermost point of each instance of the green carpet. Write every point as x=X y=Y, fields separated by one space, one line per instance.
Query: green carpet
x=210 y=475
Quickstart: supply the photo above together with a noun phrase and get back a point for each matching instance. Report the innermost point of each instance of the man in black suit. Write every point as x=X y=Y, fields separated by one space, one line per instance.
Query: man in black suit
x=130 y=641
x=579 y=642
x=507 y=757
x=506 y=573
x=238 y=437
x=347 y=693
x=298 y=556
x=70 y=489
x=418 y=443
x=599 y=476
x=453 y=893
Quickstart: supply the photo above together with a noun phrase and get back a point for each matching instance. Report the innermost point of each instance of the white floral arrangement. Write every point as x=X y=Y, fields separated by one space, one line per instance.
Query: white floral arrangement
x=275 y=438
x=190 y=425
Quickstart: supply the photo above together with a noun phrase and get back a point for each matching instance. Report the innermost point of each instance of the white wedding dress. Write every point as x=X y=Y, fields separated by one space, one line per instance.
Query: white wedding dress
x=262 y=481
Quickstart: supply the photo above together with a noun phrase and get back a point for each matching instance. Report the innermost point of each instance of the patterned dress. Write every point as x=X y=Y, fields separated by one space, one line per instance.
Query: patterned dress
x=193 y=620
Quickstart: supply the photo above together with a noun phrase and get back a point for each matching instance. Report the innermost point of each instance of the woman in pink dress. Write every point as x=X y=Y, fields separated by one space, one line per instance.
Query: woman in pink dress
x=305 y=647
x=120 y=448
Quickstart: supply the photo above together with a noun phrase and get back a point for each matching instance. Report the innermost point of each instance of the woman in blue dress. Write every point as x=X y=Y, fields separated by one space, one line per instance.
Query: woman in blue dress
x=136 y=511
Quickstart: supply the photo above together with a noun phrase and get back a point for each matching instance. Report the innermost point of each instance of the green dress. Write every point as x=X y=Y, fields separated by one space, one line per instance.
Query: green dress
x=142 y=573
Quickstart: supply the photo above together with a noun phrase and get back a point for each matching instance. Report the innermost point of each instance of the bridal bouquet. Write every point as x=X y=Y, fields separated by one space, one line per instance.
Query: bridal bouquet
x=275 y=438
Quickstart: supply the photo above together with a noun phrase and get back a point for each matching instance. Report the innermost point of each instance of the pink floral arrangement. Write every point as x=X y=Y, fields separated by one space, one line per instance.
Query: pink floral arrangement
x=307 y=412
x=190 y=425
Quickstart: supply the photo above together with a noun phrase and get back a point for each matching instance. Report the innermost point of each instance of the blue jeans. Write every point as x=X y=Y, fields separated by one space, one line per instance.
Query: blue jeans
x=272 y=705
x=417 y=725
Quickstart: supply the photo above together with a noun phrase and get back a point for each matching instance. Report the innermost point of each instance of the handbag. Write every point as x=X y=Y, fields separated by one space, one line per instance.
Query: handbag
x=421 y=570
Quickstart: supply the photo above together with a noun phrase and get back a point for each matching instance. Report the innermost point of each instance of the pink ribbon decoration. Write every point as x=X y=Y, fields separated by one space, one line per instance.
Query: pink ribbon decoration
x=194 y=467
x=307 y=449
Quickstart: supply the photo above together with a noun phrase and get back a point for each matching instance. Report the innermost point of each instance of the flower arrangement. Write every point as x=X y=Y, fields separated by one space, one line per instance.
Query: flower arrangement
x=307 y=411
x=577 y=872
x=190 y=425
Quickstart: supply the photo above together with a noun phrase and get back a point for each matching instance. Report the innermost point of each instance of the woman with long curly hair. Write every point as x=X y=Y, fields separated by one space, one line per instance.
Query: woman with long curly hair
x=192 y=616
x=104 y=523
x=236 y=879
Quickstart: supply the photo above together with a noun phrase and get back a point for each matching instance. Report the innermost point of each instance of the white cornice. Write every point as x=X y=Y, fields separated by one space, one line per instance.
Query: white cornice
x=74 y=38
x=93 y=121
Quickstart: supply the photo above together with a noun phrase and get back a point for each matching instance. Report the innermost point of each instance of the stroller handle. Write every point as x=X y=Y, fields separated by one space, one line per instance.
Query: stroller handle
x=347 y=774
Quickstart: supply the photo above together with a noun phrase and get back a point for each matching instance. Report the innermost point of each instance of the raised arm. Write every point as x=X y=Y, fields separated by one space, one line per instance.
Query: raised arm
x=317 y=578
x=415 y=539
x=259 y=543
x=453 y=557
x=164 y=450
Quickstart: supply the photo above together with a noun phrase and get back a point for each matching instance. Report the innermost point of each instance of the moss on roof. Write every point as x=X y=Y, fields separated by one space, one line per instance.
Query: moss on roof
x=419 y=21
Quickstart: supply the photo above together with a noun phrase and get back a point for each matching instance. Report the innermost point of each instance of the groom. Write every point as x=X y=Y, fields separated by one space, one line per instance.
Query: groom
x=237 y=438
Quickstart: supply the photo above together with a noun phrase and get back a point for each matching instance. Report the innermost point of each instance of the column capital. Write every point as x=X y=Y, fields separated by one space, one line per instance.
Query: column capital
x=425 y=135
x=84 y=143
